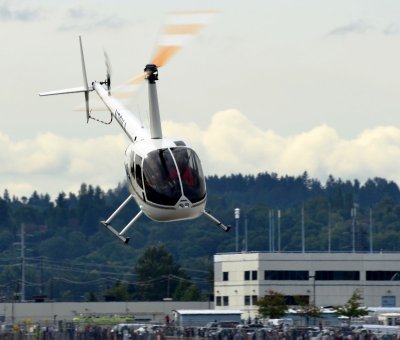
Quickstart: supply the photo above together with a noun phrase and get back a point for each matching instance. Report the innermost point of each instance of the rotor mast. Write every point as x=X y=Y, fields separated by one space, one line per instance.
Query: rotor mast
x=155 y=120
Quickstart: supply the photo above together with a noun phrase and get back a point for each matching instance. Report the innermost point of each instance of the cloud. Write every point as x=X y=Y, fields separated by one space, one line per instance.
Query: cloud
x=51 y=163
x=17 y=14
x=392 y=29
x=79 y=18
x=233 y=144
x=230 y=144
x=356 y=27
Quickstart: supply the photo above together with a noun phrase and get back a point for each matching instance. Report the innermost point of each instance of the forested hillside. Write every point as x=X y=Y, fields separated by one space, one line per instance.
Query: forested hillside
x=71 y=256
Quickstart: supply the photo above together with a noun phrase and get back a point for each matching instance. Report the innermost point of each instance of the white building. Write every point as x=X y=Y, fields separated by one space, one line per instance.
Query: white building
x=52 y=312
x=327 y=279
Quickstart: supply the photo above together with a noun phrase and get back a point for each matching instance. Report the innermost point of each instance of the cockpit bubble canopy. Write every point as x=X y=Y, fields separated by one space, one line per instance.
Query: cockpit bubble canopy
x=171 y=173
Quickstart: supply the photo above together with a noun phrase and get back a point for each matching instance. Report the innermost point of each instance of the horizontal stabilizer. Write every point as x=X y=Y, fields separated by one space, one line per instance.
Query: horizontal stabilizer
x=67 y=91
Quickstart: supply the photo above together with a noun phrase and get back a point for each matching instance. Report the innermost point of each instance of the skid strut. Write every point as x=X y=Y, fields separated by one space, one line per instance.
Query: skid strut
x=108 y=225
x=216 y=221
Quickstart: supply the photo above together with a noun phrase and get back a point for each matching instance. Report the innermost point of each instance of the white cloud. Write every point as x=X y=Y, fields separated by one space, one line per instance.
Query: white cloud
x=8 y=13
x=356 y=27
x=233 y=144
x=230 y=144
x=50 y=163
x=79 y=18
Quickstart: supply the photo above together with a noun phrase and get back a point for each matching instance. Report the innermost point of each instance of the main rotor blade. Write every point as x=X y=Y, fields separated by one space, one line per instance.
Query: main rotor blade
x=129 y=87
x=179 y=29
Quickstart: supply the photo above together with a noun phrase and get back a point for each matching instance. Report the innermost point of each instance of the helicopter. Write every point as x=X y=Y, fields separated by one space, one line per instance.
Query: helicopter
x=164 y=175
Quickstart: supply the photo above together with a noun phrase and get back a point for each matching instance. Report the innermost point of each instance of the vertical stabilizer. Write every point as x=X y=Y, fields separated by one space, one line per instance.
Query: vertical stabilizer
x=85 y=83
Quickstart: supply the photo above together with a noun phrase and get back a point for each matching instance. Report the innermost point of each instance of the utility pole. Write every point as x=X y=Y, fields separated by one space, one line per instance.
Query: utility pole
x=303 y=242
x=22 y=262
x=279 y=230
x=245 y=234
x=371 y=244
x=353 y=226
x=270 y=231
x=329 y=228
x=273 y=230
x=314 y=291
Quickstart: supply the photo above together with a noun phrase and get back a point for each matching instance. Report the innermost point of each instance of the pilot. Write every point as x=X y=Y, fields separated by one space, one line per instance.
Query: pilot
x=182 y=160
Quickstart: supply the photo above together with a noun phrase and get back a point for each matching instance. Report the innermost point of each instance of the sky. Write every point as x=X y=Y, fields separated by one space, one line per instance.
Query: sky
x=280 y=86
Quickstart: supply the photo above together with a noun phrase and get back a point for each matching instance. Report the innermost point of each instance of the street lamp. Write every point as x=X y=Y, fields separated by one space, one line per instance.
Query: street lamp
x=314 y=293
x=237 y=217
x=314 y=303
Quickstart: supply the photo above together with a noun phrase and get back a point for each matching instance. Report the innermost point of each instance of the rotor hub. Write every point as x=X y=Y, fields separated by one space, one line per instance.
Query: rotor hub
x=152 y=73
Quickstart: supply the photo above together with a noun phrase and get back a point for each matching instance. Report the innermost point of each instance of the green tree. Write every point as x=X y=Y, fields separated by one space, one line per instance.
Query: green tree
x=352 y=308
x=155 y=271
x=119 y=292
x=91 y=297
x=187 y=292
x=307 y=310
x=272 y=305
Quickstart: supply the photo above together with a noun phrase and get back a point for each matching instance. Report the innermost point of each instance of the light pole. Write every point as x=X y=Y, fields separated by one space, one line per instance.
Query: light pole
x=353 y=225
x=314 y=293
x=314 y=302
x=237 y=217
x=329 y=228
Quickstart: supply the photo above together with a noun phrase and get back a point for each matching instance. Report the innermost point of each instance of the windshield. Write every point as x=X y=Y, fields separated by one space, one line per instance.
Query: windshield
x=162 y=180
x=191 y=174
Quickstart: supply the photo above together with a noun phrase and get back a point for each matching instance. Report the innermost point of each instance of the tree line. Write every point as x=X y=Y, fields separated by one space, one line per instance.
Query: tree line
x=71 y=256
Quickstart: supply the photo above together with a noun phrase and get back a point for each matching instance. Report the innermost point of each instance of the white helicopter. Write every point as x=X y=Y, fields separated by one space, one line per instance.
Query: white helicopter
x=164 y=175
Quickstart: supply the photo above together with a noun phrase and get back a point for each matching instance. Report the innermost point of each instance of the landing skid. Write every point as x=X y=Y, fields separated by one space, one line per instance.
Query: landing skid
x=216 y=221
x=120 y=234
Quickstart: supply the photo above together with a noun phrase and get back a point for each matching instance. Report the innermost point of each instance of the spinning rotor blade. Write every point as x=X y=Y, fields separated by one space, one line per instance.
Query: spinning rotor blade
x=108 y=67
x=179 y=29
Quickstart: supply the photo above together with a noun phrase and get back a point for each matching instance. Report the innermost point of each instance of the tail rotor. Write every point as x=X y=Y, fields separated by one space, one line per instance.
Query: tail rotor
x=108 y=76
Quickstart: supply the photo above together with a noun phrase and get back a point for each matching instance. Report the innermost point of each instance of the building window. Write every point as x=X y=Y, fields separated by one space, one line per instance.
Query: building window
x=252 y=274
x=388 y=301
x=296 y=300
x=286 y=275
x=254 y=299
x=247 y=300
x=383 y=275
x=225 y=276
x=225 y=300
x=337 y=275
x=218 y=302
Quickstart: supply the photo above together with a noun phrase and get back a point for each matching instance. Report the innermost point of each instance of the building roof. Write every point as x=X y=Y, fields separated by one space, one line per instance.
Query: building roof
x=207 y=311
